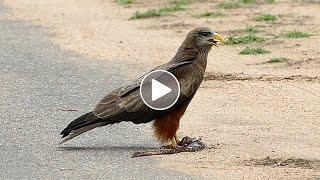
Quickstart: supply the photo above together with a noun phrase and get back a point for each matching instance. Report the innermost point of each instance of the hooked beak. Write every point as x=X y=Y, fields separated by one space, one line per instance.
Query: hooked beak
x=216 y=39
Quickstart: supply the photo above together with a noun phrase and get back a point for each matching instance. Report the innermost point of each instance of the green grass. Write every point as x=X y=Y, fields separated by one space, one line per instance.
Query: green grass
x=179 y=5
x=266 y=17
x=244 y=39
x=248 y=1
x=147 y=14
x=276 y=60
x=297 y=34
x=237 y=4
x=211 y=14
x=124 y=1
x=181 y=2
x=256 y=1
x=254 y=51
x=252 y=29
x=270 y=1
x=228 y=5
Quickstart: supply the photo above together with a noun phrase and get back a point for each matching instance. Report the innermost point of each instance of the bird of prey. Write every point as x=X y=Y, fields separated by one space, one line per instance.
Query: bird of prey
x=125 y=103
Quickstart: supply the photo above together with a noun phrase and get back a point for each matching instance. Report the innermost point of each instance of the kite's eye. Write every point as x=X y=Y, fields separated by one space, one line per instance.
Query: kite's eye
x=205 y=34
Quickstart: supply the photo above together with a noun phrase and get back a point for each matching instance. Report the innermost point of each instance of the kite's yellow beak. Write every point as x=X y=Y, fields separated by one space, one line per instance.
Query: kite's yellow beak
x=216 y=39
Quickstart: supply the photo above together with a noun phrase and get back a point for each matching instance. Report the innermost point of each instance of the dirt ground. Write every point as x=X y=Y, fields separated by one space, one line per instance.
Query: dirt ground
x=260 y=120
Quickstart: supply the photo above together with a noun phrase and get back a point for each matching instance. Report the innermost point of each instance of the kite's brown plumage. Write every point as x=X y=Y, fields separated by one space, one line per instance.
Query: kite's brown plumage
x=165 y=127
x=125 y=103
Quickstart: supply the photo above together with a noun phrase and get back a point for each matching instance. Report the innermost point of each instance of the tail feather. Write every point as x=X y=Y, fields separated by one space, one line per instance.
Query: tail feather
x=80 y=125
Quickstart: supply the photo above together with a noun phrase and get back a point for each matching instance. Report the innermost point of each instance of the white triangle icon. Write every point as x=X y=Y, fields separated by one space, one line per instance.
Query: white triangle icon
x=158 y=90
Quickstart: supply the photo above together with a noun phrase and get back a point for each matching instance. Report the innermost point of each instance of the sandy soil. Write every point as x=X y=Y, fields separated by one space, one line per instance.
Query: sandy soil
x=260 y=120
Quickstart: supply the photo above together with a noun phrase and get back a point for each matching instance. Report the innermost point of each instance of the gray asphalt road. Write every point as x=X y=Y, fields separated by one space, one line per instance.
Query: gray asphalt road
x=38 y=81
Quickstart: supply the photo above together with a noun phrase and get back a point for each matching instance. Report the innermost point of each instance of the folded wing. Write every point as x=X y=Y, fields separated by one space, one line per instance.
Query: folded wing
x=125 y=103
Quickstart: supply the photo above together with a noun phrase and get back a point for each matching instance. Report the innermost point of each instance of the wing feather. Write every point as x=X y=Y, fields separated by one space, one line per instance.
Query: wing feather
x=127 y=100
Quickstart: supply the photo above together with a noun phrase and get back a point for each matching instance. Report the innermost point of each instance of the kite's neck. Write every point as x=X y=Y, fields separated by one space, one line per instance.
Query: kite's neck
x=188 y=51
x=201 y=60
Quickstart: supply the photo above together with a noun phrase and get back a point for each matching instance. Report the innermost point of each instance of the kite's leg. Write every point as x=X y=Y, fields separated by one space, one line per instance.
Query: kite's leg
x=177 y=139
x=172 y=144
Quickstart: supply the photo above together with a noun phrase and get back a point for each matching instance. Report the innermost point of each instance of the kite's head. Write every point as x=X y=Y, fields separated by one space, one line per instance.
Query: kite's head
x=204 y=37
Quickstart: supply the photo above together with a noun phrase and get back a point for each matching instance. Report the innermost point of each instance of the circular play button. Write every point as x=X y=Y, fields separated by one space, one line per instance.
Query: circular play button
x=159 y=89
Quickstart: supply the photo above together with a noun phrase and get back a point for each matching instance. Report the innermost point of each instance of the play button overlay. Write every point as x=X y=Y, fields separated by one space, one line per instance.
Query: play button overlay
x=159 y=89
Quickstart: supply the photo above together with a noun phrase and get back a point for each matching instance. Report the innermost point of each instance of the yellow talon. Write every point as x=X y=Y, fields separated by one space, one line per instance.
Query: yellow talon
x=178 y=142
x=173 y=143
